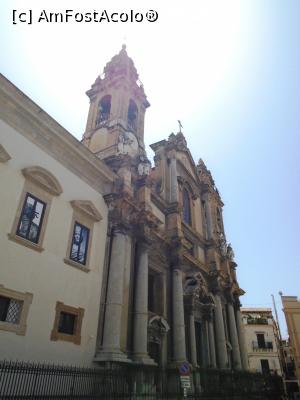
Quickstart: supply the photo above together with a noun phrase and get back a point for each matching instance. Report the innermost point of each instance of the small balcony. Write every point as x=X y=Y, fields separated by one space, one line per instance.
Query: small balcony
x=262 y=347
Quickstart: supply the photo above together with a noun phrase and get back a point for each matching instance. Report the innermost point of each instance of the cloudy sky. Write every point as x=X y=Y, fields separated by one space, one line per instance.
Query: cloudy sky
x=228 y=69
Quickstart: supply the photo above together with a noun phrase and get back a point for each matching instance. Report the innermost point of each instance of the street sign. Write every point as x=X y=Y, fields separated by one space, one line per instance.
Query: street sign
x=185 y=382
x=184 y=369
x=185 y=379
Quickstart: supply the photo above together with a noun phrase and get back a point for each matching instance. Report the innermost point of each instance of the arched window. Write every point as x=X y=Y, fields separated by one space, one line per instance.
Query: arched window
x=103 y=112
x=132 y=116
x=219 y=220
x=187 y=216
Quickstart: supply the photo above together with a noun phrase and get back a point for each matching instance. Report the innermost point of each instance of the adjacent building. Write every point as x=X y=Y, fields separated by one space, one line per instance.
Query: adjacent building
x=53 y=226
x=261 y=340
x=104 y=257
x=291 y=309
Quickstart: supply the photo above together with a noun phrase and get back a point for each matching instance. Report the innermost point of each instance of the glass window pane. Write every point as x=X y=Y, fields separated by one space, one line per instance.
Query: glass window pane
x=186 y=207
x=36 y=222
x=38 y=213
x=83 y=245
x=31 y=218
x=79 y=243
x=27 y=216
x=4 y=304
x=67 y=323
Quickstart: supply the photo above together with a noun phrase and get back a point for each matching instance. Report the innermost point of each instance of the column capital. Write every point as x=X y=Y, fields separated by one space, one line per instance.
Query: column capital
x=229 y=297
x=120 y=229
x=206 y=311
x=143 y=244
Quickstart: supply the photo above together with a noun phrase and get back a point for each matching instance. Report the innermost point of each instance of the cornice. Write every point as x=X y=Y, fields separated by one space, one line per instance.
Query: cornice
x=22 y=114
x=190 y=232
x=195 y=262
x=159 y=202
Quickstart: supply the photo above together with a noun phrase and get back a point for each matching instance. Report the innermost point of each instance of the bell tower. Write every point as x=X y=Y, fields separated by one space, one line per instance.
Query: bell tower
x=118 y=104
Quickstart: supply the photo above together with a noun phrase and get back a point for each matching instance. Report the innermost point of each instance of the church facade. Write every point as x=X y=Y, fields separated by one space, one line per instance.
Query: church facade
x=170 y=291
x=157 y=283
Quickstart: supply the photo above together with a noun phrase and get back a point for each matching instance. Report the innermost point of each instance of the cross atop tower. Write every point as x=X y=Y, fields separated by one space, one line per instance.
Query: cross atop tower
x=180 y=126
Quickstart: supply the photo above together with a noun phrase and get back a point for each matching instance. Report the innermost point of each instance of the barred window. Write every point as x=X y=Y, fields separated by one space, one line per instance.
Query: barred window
x=10 y=310
x=31 y=219
x=79 y=245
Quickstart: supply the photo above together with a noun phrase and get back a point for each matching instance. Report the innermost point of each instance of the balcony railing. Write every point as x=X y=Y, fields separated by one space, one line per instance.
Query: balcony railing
x=257 y=321
x=267 y=346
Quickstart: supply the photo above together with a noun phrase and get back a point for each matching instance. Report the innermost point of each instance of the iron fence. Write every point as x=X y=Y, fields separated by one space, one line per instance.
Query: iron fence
x=23 y=380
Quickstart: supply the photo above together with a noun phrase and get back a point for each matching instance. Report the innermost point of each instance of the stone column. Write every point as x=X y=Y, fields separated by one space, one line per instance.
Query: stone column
x=220 y=335
x=140 y=353
x=242 y=340
x=193 y=341
x=234 y=338
x=205 y=344
x=111 y=349
x=173 y=180
x=211 y=336
x=179 y=351
x=208 y=215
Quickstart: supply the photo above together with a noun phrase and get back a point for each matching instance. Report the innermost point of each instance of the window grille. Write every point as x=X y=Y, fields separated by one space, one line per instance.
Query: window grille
x=10 y=310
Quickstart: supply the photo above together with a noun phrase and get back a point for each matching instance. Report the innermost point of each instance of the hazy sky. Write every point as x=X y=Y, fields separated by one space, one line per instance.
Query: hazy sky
x=229 y=70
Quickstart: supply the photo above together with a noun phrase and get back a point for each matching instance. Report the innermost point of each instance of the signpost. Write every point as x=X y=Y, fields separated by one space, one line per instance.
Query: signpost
x=185 y=379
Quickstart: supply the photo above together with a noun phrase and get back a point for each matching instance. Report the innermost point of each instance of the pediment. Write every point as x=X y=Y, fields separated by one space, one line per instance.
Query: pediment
x=187 y=165
x=87 y=208
x=43 y=178
x=4 y=156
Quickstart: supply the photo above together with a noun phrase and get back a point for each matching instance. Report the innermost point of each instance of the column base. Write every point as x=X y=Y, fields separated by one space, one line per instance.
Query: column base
x=106 y=355
x=143 y=359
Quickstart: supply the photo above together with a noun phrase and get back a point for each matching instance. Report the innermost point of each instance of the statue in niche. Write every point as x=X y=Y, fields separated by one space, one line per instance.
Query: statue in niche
x=144 y=166
x=230 y=252
x=222 y=243
x=127 y=143
x=195 y=285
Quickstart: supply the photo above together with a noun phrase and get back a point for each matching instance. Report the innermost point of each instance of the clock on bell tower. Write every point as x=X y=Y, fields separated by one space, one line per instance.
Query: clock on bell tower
x=118 y=104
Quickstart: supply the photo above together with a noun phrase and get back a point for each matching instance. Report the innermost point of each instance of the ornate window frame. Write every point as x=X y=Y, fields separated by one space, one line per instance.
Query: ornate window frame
x=78 y=313
x=26 y=299
x=86 y=214
x=43 y=185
